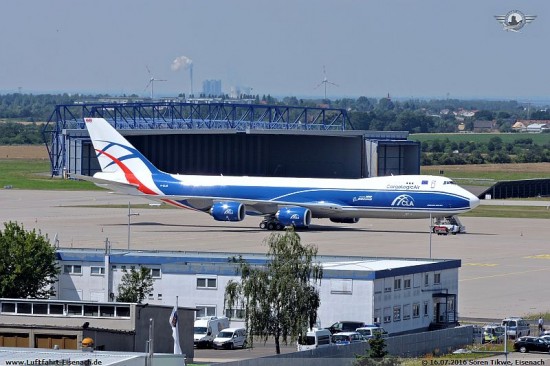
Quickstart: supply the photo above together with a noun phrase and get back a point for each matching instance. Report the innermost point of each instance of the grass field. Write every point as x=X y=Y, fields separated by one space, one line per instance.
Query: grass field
x=538 y=138
x=491 y=172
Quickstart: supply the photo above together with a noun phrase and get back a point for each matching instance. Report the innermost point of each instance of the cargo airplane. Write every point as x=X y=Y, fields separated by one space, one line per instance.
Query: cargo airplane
x=281 y=201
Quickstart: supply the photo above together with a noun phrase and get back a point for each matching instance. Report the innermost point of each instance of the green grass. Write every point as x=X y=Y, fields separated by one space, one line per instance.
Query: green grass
x=519 y=212
x=538 y=138
x=35 y=175
x=477 y=176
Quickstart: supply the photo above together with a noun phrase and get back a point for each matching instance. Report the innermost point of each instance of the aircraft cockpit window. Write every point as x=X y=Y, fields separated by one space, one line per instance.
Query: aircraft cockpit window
x=449 y=182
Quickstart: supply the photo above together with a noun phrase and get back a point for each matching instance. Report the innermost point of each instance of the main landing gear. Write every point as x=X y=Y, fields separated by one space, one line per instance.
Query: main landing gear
x=271 y=223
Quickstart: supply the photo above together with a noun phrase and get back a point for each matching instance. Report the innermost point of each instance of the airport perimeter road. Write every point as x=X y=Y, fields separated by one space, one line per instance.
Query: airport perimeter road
x=505 y=262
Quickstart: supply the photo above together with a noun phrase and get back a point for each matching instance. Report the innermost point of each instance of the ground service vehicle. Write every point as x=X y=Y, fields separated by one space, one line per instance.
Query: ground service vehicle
x=369 y=332
x=493 y=333
x=207 y=328
x=516 y=327
x=346 y=338
x=315 y=338
x=345 y=326
x=230 y=338
x=528 y=344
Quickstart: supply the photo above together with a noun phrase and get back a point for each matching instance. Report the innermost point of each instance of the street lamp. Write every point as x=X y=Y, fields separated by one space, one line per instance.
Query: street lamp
x=130 y=214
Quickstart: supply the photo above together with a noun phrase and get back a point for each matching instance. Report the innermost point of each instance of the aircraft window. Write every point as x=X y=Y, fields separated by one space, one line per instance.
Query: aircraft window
x=449 y=182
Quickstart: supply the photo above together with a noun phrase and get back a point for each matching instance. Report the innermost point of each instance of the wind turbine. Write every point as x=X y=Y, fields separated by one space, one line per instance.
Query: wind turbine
x=325 y=81
x=152 y=81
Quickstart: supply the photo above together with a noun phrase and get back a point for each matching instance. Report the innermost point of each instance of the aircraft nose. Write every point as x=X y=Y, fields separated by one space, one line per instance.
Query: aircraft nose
x=474 y=201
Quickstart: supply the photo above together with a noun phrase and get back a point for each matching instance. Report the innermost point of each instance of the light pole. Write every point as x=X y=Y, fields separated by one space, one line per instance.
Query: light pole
x=130 y=214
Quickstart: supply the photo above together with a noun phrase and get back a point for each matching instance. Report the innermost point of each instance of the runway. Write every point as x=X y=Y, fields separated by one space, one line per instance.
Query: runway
x=505 y=262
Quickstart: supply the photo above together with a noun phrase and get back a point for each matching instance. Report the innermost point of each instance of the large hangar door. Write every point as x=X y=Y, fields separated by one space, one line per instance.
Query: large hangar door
x=393 y=157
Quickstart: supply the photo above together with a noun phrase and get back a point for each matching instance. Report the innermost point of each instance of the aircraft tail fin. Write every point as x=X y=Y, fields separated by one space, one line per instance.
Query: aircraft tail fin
x=118 y=157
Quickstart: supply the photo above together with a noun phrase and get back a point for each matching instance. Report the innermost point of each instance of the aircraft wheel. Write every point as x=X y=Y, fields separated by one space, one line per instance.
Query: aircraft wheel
x=279 y=226
x=262 y=225
x=271 y=226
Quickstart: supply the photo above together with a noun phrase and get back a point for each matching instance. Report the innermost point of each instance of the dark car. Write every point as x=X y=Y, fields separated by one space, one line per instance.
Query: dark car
x=345 y=326
x=527 y=344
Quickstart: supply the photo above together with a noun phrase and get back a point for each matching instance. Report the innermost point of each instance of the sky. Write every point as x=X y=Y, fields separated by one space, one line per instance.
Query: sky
x=407 y=48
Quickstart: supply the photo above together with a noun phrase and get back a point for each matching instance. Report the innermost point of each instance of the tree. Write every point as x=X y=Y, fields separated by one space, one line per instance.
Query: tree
x=280 y=298
x=28 y=264
x=376 y=354
x=135 y=286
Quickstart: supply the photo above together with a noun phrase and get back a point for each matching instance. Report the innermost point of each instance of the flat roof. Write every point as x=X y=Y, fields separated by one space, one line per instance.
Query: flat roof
x=183 y=262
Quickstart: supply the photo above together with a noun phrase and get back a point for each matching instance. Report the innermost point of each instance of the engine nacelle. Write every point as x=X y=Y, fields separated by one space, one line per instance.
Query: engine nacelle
x=295 y=216
x=345 y=220
x=228 y=211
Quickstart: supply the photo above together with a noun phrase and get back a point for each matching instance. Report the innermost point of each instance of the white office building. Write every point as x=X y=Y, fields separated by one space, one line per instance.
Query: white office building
x=401 y=294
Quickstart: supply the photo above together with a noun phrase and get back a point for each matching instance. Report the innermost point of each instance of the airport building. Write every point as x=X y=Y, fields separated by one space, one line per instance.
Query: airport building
x=64 y=324
x=233 y=139
x=403 y=295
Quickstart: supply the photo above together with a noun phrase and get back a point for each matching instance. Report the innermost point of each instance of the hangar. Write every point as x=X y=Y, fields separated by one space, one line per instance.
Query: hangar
x=234 y=138
x=404 y=295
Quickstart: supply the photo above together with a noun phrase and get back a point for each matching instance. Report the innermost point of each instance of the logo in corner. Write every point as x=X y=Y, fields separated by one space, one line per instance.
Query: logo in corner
x=403 y=200
x=514 y=20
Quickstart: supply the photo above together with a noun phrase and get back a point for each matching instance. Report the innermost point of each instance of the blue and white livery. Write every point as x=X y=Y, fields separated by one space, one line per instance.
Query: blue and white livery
x=282 y=201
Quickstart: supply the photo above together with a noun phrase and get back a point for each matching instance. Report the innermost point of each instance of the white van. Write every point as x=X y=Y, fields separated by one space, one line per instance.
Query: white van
x=516 y=327
x=230 y=338
x=315 y=338
x=207 y=328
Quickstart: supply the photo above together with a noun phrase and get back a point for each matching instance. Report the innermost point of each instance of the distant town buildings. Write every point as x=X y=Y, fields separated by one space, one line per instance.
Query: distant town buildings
x=212 y=87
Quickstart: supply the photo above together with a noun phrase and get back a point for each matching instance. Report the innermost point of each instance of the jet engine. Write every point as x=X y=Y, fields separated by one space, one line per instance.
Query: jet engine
x=228 y=211
x=295 y=216
x=345 y=220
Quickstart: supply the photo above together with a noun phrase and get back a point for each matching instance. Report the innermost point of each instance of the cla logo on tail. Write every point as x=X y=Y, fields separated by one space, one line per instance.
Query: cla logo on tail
x=403 y=200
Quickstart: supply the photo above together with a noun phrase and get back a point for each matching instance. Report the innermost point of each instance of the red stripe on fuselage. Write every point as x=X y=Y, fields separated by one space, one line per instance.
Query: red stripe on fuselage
x=130 y=177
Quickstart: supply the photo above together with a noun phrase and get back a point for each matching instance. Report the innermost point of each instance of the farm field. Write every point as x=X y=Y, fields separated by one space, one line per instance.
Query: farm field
x=538 y=138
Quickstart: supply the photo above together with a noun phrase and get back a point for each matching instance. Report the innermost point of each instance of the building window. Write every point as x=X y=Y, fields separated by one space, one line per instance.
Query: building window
x=123 y=311
x=387 y=315
x=397 y=284
x=97 y=271
x=406 y=311
x=40 y=309
x=425 y=308
x=74 y=309
x=341 y=286
x=57 y=309
x=206 y=310
x=151 y=296
x=155 y=272
x=416 y=310
x=8 y=307
x=396 y=313
x=407 y=283
x=204 y=282
x=107 y=311
x=234 y=314
x=437 y=278
x=426 y=279
x=377 y=316
x=23 y=308
x=159 y=296
x=72 y=269
x=91 y=310
x=113 y=268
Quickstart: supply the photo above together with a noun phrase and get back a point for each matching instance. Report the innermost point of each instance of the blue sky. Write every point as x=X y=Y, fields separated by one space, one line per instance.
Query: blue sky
x=408 y=48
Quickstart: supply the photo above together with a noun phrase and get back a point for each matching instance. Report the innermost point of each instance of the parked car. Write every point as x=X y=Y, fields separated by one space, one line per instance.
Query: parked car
x=493 y=333
x=516 y=327
x=230 y=338
x=343 y=338
x=528 y=344
x=315 y=338
x=369 y=332
x=345 y=326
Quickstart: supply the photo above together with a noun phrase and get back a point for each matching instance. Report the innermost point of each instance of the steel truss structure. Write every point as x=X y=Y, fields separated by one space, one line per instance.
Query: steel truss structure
x=185 y=116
